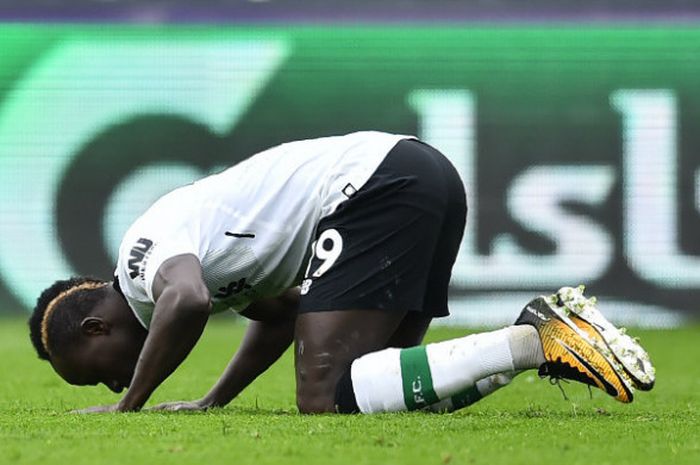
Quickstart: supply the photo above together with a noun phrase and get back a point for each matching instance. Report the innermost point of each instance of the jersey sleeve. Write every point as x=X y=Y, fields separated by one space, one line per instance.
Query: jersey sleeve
x=142 y=253
x=180 y=244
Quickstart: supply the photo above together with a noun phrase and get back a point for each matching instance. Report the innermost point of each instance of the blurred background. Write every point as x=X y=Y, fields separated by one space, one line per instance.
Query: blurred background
x=573 y=124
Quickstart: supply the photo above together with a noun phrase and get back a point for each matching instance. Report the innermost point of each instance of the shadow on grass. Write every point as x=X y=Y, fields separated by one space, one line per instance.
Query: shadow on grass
x=228 y=411
x=574 y=412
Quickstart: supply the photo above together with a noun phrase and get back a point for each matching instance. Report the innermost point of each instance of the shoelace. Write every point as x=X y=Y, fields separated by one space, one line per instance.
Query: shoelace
x=554 y=381
x=557 y=381
x=562 y=371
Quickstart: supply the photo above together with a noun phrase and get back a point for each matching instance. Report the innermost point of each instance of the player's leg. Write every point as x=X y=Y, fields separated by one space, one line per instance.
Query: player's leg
x=341 y=366
x=327 y=342
x=411 y=332
x=472 y=394
x=408 y=379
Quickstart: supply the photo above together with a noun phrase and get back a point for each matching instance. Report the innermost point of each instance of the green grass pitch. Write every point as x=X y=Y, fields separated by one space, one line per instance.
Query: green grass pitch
x=527 y=422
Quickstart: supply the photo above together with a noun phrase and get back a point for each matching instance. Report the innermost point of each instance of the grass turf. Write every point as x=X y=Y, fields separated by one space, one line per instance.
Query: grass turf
x=527 y=422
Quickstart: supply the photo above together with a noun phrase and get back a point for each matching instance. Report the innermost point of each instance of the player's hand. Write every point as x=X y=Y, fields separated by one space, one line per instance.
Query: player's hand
x=187 y=406
x=98 y=409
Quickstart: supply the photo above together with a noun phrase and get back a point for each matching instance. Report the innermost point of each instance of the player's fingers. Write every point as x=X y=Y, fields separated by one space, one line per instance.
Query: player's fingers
x=98 y=409
x=176 y=406
x=164 y=406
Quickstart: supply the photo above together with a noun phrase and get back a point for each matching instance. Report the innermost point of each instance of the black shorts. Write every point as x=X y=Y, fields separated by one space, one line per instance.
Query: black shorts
x=393 y=243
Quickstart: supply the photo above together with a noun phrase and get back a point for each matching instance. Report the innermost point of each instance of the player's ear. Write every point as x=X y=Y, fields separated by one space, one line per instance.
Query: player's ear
x=94 y=326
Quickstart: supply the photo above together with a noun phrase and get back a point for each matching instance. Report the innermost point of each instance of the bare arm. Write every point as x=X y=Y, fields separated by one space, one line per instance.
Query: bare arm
x=267 y=337
x=180 y=314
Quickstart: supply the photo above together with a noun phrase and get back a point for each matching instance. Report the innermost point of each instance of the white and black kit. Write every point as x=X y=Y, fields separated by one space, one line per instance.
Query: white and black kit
x=368 y=220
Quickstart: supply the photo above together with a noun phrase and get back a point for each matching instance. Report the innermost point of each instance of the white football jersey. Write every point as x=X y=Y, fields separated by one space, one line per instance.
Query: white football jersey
x=252 y=225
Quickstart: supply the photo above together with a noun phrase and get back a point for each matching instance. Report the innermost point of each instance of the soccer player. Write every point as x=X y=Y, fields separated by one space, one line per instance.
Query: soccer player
x=344 y=245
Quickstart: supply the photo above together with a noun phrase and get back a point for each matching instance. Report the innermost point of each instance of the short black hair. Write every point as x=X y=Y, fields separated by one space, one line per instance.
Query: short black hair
x=66 y=317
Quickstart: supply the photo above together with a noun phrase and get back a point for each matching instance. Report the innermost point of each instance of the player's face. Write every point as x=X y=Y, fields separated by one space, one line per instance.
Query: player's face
x=107 y=351
x=108 y=360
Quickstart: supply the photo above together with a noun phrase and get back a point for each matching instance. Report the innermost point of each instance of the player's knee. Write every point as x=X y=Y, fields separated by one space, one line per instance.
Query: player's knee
x=314 y=399
x=330 y=395
x=316 y=388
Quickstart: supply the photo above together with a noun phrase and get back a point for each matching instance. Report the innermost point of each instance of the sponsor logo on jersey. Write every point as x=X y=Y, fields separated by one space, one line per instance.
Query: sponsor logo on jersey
x=233 y=288
x=137 y=256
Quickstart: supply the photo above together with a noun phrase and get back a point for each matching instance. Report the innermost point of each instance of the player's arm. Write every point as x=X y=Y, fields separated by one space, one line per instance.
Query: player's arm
x=269 y=334
x=182 y=308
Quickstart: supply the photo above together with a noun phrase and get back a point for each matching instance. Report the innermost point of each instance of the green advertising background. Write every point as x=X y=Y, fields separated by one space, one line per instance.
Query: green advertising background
x=542 y=97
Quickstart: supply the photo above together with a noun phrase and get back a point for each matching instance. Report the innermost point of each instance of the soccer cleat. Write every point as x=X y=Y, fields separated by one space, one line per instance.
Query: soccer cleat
x=611 y=341
x=581 y=345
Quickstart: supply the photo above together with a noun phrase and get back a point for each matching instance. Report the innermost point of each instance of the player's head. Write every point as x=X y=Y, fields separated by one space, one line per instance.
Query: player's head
x=86 y=330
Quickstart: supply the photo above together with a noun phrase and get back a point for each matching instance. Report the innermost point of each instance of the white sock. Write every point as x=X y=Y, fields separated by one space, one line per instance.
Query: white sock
x=526 y=347
x=407 y=379
x=475 y=393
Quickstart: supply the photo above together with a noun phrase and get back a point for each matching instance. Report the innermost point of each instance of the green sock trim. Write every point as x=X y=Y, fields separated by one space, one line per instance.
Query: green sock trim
x=466 y=398
x=417 y=381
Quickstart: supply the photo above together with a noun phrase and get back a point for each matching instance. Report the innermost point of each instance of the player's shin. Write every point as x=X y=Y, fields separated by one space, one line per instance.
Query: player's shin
x=408 y=379
x=473 y=394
